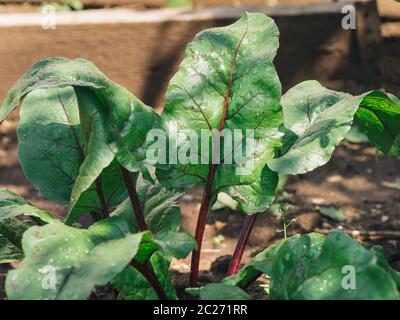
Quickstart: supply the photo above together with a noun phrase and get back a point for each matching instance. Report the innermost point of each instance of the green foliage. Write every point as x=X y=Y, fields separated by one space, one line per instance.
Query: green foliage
x=317 y=119
x=378 y=117
x=300 y=273
x=315 y=267
x=204 y=84
x=83 y=258
x=160 y=207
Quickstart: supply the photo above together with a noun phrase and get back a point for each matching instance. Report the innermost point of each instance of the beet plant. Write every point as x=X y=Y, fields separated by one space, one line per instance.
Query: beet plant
x=87 y=142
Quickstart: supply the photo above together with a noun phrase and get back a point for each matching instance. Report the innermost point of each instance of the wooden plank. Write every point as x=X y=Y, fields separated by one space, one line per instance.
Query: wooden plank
x=142 y=50
x=389 y=9
x=113 y=16
x=369 y=39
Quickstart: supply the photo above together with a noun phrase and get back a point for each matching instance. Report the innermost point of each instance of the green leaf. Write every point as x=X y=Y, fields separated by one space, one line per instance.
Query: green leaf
x=98 y=158
x=132 y=285
x=175 y=244
x=317 y=119
x=382 y=261
x=227 y=80
x=11 y=231
x=114 y=122
x=219 y=291
x=300 y=273
x=12 y=205
x=332 y=213
x=50 y=146
x=378 y=117
x=76 y=259
x=55 y=158
x=160 y=207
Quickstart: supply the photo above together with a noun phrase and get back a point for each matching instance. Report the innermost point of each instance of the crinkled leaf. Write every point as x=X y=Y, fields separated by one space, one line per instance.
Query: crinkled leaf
x=300 y=274
x=79 y=259
x=132 y=285
x=113 y=121
x=317 y=119
x=378 y=117
x=227 y=80
x=127 y=118
x=159 y=204
x=11 y=231
x=55 y=158
x=219 y=291
x=50 y=146
x=12 y=205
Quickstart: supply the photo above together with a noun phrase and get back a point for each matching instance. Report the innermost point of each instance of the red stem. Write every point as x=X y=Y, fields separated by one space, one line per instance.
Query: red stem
x=151 y=278
x=205 y=204
x=241 y=244
x=200 y=227
x=141 y=222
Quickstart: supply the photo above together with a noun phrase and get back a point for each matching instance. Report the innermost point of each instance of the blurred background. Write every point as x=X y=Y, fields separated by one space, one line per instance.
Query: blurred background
x=140 y=43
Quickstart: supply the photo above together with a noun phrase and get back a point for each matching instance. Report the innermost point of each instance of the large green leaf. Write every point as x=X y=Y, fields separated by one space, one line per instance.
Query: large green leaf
x=113 y=121
x=79 y=259
x=127 y=119
x=132 y=285
x=50 y=146
x=317 y=119
x=97 y=158
x=12 y=205
x=227 y=81
x=301 y=272
x=379 y=117
x=55 y=158
x=159 y=205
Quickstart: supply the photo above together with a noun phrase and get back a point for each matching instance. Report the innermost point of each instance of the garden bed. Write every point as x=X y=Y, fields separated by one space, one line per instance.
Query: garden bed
x=150 y=45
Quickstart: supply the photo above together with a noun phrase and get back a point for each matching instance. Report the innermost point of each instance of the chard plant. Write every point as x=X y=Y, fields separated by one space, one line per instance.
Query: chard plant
x=87 y=142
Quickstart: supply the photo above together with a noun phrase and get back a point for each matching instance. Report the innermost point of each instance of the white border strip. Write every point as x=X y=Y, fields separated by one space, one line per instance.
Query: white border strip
x=125 y=16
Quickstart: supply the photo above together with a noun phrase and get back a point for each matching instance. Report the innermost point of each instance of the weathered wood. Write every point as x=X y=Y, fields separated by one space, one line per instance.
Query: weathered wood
x=389 y=9
x=141 y=50
x=369 y=38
